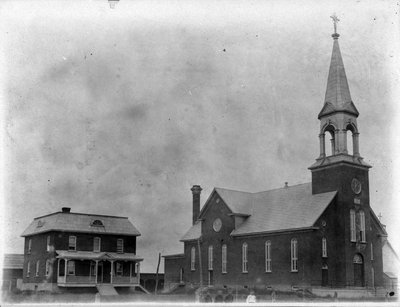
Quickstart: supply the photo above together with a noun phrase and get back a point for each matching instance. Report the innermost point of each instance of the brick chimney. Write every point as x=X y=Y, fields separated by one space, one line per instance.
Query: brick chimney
x=66 y=209
x=196 y=190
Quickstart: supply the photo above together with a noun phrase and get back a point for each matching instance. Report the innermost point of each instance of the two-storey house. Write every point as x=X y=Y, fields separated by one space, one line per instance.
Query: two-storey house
x=66 y=249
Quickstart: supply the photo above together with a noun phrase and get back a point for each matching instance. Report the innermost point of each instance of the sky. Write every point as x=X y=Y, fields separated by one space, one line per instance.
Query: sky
x=121 y=111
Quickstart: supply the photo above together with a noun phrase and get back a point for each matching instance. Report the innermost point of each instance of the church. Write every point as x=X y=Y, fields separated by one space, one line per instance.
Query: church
x=318 y=234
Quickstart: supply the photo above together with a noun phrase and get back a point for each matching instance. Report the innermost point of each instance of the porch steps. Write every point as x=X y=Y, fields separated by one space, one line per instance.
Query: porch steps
x=143 y=289
x=106 y=290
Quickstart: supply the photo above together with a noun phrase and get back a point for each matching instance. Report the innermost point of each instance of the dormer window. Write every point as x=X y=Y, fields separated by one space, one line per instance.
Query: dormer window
x=97 y=223
x=40 y=223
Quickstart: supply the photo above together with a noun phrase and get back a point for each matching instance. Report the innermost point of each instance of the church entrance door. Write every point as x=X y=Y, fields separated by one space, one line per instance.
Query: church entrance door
x=358 y=270
x=324 y=276
x=210 y=278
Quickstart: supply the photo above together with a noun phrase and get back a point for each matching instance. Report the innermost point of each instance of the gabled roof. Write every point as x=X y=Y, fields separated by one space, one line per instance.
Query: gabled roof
x=287 y=208
x=193 y=233
x=13 y=261
x=337 y=95
x=81 y=222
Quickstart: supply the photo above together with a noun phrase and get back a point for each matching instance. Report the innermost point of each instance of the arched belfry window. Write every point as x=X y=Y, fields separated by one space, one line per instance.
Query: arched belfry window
x=352 y=140
x=328 y=141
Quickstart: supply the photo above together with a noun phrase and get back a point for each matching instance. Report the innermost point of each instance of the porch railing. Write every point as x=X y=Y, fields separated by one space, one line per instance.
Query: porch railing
x=72 y=279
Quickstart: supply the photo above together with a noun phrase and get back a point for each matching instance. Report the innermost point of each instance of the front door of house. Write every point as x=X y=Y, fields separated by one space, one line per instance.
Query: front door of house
x=106 y=272
x=100 y=272
x=325 y=276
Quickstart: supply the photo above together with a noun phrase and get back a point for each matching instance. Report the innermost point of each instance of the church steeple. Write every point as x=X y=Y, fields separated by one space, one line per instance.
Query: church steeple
x=338 y=114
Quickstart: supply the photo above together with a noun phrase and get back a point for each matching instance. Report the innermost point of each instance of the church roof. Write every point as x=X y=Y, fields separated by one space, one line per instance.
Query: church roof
x=81 y=222
x=288 y=208
x=337 y=95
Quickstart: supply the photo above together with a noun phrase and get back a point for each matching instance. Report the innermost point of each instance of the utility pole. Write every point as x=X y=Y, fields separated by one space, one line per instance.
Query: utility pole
x=158 y=267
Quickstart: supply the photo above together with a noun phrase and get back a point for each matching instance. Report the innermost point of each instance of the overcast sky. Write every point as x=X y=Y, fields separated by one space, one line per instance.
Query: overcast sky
x=121 y=111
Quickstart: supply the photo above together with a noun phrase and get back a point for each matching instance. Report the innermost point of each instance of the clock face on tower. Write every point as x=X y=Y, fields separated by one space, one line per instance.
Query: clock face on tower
x=356 y=186
x=217 y=224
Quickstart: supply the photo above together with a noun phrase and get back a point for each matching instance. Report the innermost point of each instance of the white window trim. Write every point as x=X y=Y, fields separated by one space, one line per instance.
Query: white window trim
x=94 y=244
x=68 y=264
x=224 y=262
x=193 y=259
x=293 y=254
x=352 y=226
x=324 y=248
x=74 y=245
x=362 y=227
x=29 y=246
x=28 y=269
x=372 y=252
x=37 y=268
x=210 y=258
x=268 y=261
x=121 y=245
x=121 y=271
x=47 y=267
x=245 y=262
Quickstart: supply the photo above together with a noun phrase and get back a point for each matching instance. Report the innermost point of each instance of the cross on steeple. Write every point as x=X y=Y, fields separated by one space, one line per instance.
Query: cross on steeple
x=380 y=216
x=335 y=21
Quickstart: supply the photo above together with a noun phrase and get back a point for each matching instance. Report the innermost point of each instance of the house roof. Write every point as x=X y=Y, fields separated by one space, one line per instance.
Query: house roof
x=337 y=95
x=193 y=233
x=13 y=261
x=81 y=222
x=84 y=255
x=288 y=208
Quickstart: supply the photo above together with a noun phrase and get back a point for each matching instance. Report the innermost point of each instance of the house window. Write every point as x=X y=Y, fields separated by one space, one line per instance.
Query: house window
x=372 y=252
x=72 y=243
x=48 y=244
x=324 y=249
x=96 y=244
x=210 y=258
x=120 y=245
x=362 y=226
x=37 y=267
x=352 y=226
x=47 y=267
x=268 y=256
x=244 y=258
x=29 y=246
x=92 y=268
x=119 y=268
x=28 y=269
x=192 y=259
x=71 y=267
x=293 y=252
x=224 y=258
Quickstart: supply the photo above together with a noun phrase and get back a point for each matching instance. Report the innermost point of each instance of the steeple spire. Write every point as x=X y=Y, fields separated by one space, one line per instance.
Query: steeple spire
x=337 y=95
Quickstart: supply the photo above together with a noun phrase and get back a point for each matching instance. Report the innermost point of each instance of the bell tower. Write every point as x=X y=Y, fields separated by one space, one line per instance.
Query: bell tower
x=337 y=117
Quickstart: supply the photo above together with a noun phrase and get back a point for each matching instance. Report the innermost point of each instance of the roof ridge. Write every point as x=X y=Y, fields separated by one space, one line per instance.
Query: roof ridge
x=79 y=213
x=291 y=186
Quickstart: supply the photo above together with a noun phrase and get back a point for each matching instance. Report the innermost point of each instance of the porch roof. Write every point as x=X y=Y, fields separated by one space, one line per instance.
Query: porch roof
x=85 y=255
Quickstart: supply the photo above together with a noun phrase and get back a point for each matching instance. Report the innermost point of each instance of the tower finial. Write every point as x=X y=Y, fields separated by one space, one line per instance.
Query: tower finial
x=335 y=21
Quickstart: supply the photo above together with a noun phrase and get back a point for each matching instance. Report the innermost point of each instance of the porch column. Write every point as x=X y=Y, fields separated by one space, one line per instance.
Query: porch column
x=138 y=273
x=112 y=271
x=130 y=272
x=97 y=270
x=65 y=270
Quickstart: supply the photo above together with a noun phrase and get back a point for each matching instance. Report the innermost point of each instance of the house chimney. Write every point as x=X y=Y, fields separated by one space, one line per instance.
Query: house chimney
x=196 y=190
x=286 y=184
x=66 y=209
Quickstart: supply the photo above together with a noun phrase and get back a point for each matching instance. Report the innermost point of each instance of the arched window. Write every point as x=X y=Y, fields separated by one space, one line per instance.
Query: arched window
x=349 y=142
x=327 y=141
x=293 y=252
x=193 y=258
x=28 y=269
x=268 y=256
x=324 y=248
x=244 y=258
x=224 y=258
x=352 y=226
x=29 y=246
x=210 y=258
x=362 y=226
